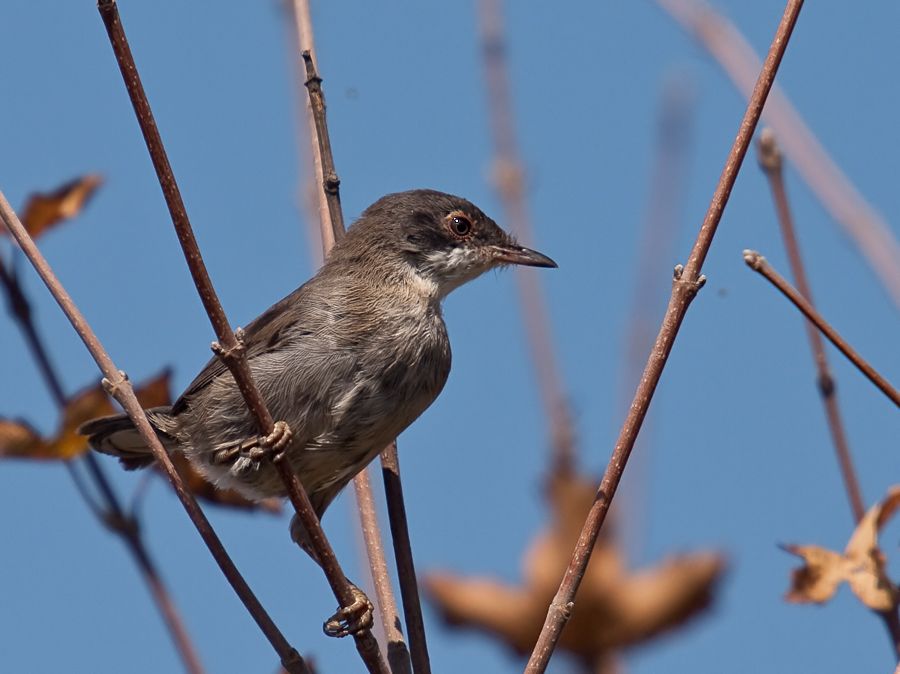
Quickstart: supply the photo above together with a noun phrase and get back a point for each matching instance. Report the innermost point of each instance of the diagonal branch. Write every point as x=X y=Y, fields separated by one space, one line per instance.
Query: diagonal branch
x=228 y=348
x=686 y=283
x=110 y=514
x=759 y=264
x=771 y=162
x=332 y=228
x=118 y=386
x=866 y=227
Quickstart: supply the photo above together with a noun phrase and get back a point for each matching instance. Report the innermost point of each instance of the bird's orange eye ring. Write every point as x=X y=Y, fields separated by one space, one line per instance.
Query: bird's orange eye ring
x=459 y=223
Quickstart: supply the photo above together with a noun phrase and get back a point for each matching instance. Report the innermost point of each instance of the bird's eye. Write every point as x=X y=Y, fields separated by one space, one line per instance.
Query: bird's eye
x=460 y=224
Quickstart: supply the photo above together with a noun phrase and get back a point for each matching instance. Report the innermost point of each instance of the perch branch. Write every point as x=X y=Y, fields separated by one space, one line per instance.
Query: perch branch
x=759 y=264
x=332 y=227
x=229 y=349
x=111 y=514
x=120 y=388
x=686 y=283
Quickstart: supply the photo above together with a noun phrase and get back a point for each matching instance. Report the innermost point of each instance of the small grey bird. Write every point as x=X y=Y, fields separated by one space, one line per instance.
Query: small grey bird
x=348 y=360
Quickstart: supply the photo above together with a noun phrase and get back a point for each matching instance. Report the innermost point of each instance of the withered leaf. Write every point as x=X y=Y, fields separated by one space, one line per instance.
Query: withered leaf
x=614 y=607
x=45 y=209
x=18 y=440
x=862 y=564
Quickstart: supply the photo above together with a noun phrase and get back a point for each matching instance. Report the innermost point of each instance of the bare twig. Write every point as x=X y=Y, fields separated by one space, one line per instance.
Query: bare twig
x=397 y=653
x=734 y=54
x=406 y=568
x=118 y=386
x=771 y=162
x=305 y=41
x=229 y=349
x=332 y=229
x=110 y=514
x=508 y=180
x=331 y=184
x=686 y=283
x=759 y=264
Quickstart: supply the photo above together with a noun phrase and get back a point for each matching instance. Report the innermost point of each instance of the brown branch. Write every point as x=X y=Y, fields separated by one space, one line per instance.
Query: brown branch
x=119 y=387
x=865 y=226
x=396 y=650
x=686 y=283
x=406 y=568
x=314 y=197
x=771 y=162
x=111 y=514
x=759 y=264
x=397 y=653
x=331 y=184
x=508 y=180
x=409 y=591
x=229 y=349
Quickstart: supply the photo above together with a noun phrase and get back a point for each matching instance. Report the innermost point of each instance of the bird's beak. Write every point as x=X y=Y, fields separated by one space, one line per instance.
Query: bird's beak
x=513 y=254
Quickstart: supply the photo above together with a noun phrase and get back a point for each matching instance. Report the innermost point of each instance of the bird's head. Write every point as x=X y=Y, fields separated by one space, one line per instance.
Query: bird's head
x=442 y=240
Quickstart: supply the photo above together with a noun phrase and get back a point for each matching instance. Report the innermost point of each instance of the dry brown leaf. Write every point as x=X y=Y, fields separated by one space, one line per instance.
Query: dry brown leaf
x=614 y=607
x=21 y=441
x=862 y=564
x=45 y=209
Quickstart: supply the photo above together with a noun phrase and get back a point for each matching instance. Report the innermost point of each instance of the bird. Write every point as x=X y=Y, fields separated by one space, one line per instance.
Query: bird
x=347 y=361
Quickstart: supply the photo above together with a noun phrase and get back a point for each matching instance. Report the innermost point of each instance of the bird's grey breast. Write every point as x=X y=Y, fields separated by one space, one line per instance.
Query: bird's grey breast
x=400 y=365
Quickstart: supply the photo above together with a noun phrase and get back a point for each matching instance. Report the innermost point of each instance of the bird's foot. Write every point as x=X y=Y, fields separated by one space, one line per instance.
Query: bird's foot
x=250 y=453
x=352 y=619
x=271 y=445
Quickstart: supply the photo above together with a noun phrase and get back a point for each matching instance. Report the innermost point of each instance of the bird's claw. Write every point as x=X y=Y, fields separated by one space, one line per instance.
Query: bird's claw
x=272 y=444
x=251 y=452
x=352 y=619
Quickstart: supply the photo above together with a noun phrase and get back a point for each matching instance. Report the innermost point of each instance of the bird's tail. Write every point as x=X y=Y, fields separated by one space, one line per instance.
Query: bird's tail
x=117 y=436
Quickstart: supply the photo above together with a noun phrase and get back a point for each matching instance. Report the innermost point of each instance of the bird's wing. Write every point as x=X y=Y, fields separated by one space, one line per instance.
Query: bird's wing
x=260 y=337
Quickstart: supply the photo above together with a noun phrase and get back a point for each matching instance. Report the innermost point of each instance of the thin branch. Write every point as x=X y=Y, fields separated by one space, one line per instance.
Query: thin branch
x=771 y=162
x=508 y=179
x=110 y=514
x=120 y=388
x=865 y=226
x=305 y=41
x=320 y=148
x=686 y=283
x=409 y=591
x=331 y=184
x=759 y=264
x=406 y=568
x=397 y=653
x=229 y=349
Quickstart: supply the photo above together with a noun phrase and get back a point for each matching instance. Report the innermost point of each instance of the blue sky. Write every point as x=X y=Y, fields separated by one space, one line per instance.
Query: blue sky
x=740 y=457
